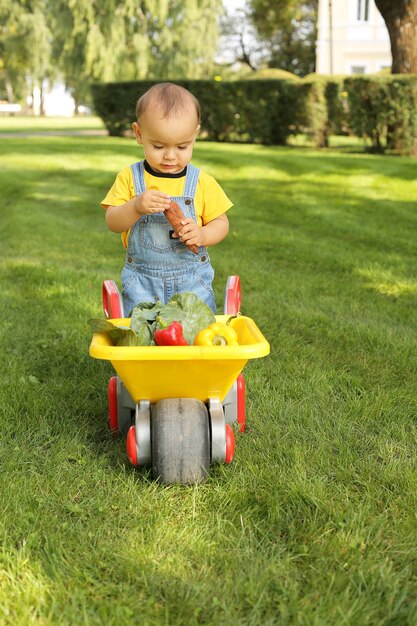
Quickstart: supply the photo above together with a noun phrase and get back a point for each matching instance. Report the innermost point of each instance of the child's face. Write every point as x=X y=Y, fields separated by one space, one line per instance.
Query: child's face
x=167 y=142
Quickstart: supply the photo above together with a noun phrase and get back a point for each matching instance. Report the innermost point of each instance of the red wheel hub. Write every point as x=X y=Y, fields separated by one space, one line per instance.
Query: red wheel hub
x=112 y=399
x=241 y=403
x=131 y=446
x=230 y=444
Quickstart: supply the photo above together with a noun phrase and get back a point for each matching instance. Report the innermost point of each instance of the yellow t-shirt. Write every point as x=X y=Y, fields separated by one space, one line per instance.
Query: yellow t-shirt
x=210 y=200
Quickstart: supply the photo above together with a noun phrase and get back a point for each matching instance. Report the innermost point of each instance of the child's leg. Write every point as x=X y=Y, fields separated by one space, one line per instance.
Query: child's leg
x=139 y=287
x=198 y=280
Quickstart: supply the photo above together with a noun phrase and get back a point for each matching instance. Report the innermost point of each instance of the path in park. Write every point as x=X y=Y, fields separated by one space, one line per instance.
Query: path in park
x=54 y=133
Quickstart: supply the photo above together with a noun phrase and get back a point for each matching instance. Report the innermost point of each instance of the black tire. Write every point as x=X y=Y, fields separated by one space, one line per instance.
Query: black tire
x=180 y=441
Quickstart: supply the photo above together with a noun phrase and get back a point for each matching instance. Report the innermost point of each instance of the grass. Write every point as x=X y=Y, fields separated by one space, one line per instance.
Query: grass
x=314 y=523
x=22 y=124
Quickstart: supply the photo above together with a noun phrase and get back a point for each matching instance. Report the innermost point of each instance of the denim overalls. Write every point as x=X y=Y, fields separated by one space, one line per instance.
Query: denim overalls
x=158 y=266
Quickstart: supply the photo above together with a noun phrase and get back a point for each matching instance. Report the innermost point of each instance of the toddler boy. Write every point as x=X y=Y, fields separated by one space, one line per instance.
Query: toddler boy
x=158 y=263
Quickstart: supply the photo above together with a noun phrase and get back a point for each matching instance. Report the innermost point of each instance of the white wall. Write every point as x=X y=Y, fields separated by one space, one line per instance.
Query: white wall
x=357 y=43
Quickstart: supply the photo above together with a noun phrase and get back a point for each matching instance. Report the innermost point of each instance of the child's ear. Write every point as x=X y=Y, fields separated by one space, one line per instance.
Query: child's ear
x=197 y=132
x=136 y=130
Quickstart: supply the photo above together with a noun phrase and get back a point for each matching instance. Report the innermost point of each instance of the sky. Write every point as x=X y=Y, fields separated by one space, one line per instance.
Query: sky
x=232 y=5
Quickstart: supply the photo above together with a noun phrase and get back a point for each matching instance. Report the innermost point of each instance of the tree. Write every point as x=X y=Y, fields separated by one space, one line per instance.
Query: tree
x=104 y=40
x=401 y=20
x=184 y=44
x=90 y=42
x=288 y=31
x=24 y=48
x=239 y=43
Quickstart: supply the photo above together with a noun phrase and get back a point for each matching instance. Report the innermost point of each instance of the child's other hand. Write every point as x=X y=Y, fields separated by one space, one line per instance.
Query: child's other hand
x=190 y=233
x=152 y=201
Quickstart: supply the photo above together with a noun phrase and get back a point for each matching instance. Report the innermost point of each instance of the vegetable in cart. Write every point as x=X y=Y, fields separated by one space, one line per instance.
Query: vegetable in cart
x=186 y=308
x=169 y=335
x=217 y=334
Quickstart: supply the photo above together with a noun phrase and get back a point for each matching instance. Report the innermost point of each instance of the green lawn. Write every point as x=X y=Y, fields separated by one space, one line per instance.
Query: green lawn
x=314 y=523
x=20 y=123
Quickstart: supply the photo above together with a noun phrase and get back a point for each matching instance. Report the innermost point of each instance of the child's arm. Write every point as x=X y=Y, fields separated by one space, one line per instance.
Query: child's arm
x=213 y=232
x=121 y=218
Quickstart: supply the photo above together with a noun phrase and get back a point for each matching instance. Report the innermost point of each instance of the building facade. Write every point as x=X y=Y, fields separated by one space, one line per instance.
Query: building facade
x=351 y=38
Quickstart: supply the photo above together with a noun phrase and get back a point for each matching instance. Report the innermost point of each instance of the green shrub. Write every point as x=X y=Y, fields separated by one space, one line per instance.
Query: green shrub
x=264 y=110
x=115 y=103
x=310 y=111
x=383 y=108
x=258 y=111
x=336 y=104
x=268 y=111
x=368 y=108
x=402 y=130
x=270 y=73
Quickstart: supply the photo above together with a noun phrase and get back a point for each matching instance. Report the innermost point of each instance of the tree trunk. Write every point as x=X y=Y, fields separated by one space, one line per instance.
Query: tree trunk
x=42 y=99
x=401 y=20
x=9 y=87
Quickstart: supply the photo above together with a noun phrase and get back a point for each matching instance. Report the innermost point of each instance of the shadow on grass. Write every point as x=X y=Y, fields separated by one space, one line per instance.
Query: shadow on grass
x=292 y=244
x=295 y=162
x=291 y=160
x=328 y=277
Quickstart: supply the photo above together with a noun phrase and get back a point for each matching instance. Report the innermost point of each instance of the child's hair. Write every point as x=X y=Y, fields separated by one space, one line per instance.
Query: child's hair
x=172 y=99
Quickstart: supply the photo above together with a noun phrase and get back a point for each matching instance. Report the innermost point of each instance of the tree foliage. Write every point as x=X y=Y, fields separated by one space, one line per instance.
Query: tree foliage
x=288 y=31
x=103 y=40
x=25 y=48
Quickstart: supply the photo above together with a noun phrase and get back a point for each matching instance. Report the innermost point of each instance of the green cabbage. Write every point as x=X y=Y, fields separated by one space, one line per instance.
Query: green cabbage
x=186 y=308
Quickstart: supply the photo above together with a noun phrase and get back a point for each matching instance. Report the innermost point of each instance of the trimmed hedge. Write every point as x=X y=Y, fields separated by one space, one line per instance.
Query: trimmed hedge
x=384 y=109
x=336 y=106
x=254 y=111
x=381 y=108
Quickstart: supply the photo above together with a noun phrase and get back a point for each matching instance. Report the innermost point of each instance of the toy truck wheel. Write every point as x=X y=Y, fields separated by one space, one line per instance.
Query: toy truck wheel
x=234 y=404
x=121 y=407
x=241 y=403
x=180 y=441
x=230 y=444
x=112 y=400
x=131 y=446
x=138 y=440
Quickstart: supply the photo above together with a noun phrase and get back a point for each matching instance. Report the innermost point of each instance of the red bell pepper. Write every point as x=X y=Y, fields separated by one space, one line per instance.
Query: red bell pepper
x=169 y=335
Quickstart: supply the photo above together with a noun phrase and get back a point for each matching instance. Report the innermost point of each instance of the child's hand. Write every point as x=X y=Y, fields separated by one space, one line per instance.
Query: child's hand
x=190 y=233
x=152 y=201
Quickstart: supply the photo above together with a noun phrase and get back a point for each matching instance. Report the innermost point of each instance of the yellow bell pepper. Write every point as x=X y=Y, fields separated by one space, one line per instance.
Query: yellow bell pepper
x=217 y=334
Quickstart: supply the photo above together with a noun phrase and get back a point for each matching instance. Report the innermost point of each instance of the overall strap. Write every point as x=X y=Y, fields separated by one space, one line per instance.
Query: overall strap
x=191 y=180
x=138 y=177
